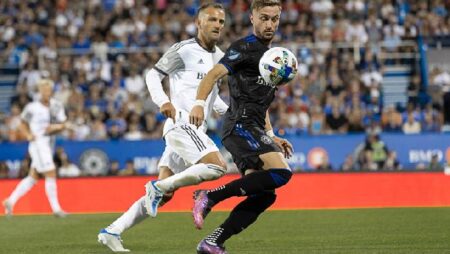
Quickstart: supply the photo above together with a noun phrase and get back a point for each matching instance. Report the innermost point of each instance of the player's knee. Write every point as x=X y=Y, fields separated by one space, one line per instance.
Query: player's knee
x=263 y=200
x=215 y=171
x=280 y=176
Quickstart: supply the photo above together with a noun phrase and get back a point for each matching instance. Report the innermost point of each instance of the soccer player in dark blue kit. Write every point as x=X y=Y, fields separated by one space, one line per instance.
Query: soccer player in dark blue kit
x=247 y=133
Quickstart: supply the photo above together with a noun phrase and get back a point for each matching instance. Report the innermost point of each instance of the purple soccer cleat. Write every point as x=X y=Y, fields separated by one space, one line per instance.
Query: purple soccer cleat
x=206 y=248
x=202 y=206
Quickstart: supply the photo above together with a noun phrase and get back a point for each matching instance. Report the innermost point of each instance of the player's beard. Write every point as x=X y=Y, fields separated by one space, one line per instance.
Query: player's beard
x=267 y=36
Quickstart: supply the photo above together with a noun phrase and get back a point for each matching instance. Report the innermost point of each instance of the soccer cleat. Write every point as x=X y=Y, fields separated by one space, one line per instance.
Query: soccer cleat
x=60 y=214
x=202 y=206
x=153 y=196
x=8 y=207
x=204 y=247
x=112 y=241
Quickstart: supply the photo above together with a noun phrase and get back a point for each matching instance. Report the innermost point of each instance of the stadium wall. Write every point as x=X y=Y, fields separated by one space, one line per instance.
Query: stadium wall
x=309 y=151
x=304 y=191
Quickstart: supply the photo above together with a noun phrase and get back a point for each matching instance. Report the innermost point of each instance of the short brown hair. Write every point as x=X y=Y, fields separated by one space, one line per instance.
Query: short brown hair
x=211 y=4
x=258 y=4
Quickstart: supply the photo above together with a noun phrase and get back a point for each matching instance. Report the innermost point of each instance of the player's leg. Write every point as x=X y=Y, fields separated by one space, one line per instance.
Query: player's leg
x=51 y=190
x=136 y=213
x=110 y=236
x=197 y=149
x=251 y=149
x=276 y=173
x=208 y=168
x=21 y=189
x=242 y=216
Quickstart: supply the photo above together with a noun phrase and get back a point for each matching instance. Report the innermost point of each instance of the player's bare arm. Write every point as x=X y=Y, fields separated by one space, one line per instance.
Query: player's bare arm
x=284 y=144
x=197 y=116
x=55 y=128
x=25 y=129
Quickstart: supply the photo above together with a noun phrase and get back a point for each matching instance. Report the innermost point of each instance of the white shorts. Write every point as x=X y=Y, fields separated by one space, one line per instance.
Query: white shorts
x=172 y=160
x=189 y=143
x=41 y=156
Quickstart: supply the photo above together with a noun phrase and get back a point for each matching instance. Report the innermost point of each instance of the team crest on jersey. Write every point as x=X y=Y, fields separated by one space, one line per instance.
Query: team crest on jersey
x=266 y=139
x=233 y=55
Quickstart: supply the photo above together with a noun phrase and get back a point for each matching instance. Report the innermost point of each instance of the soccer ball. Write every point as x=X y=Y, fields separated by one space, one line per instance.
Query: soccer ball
x=278 y=66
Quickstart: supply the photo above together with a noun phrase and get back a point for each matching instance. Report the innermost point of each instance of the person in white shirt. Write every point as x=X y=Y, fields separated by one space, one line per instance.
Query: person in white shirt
x=411 y=126
x=190 y=156
x=40 y=120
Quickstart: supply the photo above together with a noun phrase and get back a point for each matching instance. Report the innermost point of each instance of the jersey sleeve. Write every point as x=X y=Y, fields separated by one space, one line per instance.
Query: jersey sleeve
x=234 y=58
x=61 y=114
x=171 y=61
x=26 y=114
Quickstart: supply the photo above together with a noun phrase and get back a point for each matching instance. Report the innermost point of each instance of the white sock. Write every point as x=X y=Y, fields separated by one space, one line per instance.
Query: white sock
x=193 y=175
x=135 y=214
x=52 y=193
x=21 y=189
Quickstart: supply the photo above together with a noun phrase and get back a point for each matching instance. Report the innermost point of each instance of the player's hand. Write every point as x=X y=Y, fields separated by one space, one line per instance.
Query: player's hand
x=285 y=146
x=168 y=110
x=196 y=116
x=30 y=137
x=69 y=126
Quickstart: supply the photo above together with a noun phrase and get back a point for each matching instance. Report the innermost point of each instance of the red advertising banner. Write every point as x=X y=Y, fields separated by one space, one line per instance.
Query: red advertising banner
x=304 y=191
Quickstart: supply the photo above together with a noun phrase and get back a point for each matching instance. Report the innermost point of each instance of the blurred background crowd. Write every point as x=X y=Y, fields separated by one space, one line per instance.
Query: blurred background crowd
x=98 y=52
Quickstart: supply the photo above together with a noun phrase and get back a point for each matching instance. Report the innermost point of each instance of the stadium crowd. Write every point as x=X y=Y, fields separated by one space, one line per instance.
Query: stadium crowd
x=98 y=52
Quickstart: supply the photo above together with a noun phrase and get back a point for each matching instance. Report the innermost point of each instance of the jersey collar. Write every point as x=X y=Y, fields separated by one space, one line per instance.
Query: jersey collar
x=198 y=42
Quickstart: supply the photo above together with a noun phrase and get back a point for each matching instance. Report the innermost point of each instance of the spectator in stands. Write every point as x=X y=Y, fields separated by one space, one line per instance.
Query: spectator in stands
x=356 y=32
x=21 y=98
x=324 y=164
x=348 y=164
x=68 y=169
x=434 y=164
x=133 y=132
x=3 y=170
x=431 y=119
x=391 y=120
x=336 y=122
x=129 y=169
x=392 y=162
x=411 y=126
x=29 y=77
x=447 y=109
x=317 y=121
x=13 y=121
x=376 y=153
x=114 y=168
x=134 y=83
x=355 y=124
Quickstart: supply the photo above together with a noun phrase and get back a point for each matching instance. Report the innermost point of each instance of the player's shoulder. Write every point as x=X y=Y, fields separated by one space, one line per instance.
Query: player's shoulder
x=182 y=44
x=245 y=43
x=56 y=103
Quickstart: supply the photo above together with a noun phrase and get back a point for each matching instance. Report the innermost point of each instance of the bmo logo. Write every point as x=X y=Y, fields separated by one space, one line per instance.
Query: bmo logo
x=416 y=156
x=316 y=157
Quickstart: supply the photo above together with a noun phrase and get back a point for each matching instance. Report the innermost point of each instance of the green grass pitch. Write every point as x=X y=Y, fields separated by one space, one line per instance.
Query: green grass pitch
x=405 y=230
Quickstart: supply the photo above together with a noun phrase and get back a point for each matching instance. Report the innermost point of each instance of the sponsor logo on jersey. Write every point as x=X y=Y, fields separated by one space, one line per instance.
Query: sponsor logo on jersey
x=266 y=139
x=233 y=55
x=262 y=82
x=200 y=61
x=200 y=75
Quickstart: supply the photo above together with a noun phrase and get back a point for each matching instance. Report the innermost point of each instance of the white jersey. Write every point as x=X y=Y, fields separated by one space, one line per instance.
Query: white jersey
x=186 y=63
x=39 y=117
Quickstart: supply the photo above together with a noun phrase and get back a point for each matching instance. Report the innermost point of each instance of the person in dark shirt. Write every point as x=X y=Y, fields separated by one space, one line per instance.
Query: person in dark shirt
x=247 y=133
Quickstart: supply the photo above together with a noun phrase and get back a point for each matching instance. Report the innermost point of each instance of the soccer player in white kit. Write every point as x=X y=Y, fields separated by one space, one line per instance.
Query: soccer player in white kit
x=40 y=119
x=190 y=156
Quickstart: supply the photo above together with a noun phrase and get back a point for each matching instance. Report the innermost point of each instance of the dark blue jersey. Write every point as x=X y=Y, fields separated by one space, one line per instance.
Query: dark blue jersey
x=250 y=96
